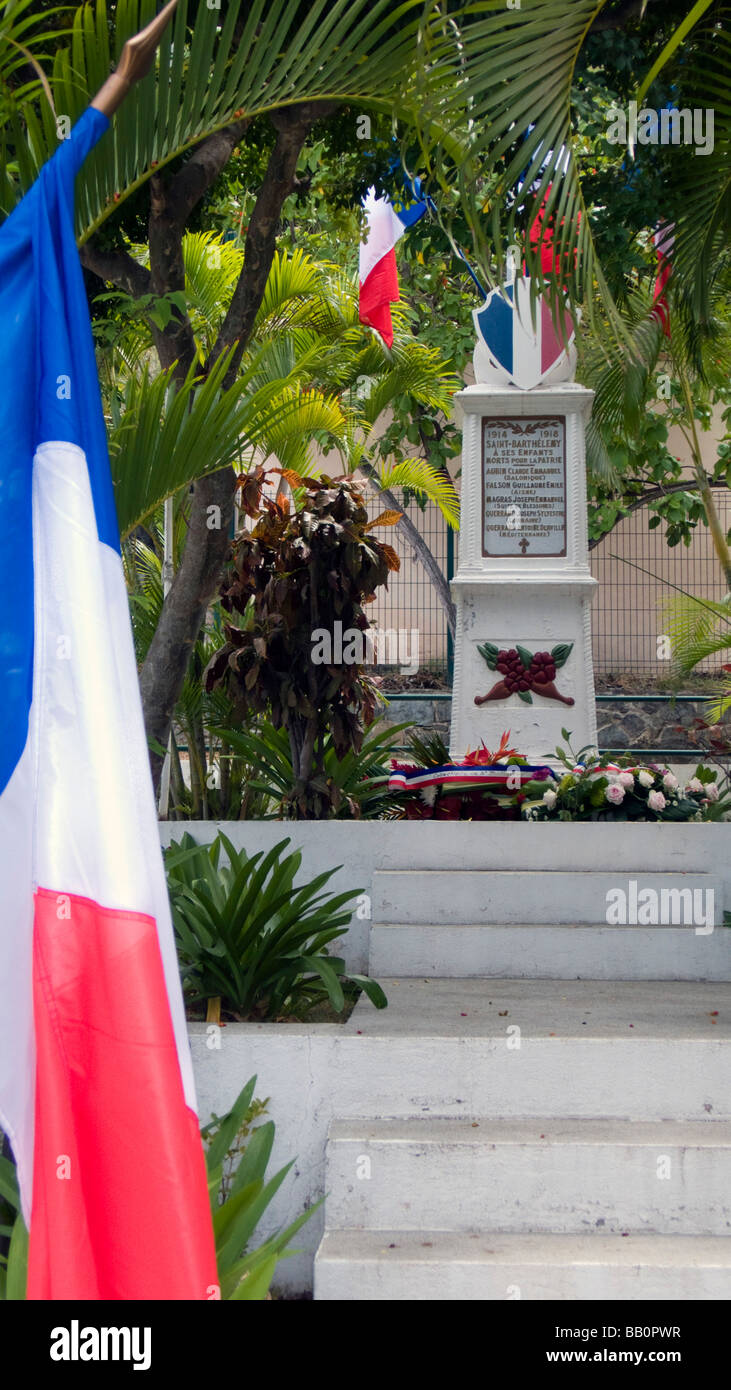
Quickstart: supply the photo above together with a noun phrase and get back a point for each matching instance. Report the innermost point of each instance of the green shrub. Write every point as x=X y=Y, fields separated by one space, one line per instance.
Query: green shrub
x=351 y=786
x=248 y=936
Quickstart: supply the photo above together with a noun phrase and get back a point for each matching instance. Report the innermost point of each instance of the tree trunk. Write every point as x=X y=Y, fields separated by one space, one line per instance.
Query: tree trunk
x=211 y=513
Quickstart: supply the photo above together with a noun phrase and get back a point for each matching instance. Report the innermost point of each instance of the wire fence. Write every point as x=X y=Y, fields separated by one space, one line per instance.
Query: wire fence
x=628 y=612
x=411 y=604
x=628 y=619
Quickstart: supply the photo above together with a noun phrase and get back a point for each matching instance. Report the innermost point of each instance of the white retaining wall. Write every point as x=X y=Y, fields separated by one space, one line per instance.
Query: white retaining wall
x=364 y=847
x=377 y=1066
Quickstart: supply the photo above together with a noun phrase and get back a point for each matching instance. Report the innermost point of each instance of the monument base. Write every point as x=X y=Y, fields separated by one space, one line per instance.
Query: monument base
x=536 y=615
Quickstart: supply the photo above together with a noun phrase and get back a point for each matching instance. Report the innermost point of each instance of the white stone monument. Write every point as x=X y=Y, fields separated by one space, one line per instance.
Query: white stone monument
x=523 y=588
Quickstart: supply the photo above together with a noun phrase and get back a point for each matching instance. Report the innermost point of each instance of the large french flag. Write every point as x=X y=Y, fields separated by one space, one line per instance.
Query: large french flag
x=96 y=1084
x=377 y=260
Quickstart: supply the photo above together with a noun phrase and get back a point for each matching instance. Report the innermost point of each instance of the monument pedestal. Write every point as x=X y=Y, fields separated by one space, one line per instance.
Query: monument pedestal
x=523 y=588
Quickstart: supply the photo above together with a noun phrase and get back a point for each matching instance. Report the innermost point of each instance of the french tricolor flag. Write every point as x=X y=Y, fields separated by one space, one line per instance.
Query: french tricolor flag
x=96 y=1083
x=377 y=261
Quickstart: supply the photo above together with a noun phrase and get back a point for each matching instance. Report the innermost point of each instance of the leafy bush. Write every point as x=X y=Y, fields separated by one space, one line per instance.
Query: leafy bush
x=237 y=1155
x=248 y=936
x=352 y=786
x=306 y=565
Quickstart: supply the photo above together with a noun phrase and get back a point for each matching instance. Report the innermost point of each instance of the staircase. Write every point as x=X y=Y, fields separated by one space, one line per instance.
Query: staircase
x=554 y=1112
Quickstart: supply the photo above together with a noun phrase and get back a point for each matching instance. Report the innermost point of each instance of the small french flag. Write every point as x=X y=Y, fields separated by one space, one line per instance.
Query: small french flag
x=664 y=241
x=377 y=267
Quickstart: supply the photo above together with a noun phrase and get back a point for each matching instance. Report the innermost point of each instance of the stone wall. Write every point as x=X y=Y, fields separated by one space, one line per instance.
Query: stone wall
x=649 y=723
x=622 y=723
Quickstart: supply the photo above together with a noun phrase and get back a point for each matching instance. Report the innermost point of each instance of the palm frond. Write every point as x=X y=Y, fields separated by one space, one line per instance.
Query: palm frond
x=697 y=628
x=417 y=371
x=700 y=201
x=507 y=113
x=419 y=476
x=509 y=110
x=248 y=60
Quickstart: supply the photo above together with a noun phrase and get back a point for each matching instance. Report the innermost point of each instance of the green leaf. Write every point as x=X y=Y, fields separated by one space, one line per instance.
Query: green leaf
x=9 y=1183
x=253 y=1163
x=255 y=1285
x=596 y=794
x=671 y=47
x=371 y=988
x=489 y=651
x=525 y=656
x=247 y=1207
x=229 y=1126
x=525 y=696
x=17 y=1270
x=561 y=654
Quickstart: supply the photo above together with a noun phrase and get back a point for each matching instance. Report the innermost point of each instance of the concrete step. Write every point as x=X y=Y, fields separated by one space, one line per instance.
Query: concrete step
x=530 y=1175
x=366 y=1266
x=520 y=951
x=505 y=897
x=631 y=1049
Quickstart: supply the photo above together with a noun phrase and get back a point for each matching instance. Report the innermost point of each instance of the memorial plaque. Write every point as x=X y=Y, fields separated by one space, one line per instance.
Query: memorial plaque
x=524 y=485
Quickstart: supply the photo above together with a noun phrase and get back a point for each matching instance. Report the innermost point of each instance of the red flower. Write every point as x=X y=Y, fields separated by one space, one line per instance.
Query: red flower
x=482 y=757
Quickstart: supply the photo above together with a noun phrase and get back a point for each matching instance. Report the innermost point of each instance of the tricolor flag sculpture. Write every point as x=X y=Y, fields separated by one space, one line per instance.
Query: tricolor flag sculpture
x=518 y=343
x=96 y=1084
x=512 y=349
x=377 y=260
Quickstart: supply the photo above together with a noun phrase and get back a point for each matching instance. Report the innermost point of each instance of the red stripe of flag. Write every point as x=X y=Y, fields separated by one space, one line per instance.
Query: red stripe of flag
x=119 y=1192
x=377 y=293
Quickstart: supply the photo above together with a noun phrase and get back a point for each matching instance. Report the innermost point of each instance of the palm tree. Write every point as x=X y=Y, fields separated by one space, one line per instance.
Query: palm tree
x=311 y=377
x=216 y=72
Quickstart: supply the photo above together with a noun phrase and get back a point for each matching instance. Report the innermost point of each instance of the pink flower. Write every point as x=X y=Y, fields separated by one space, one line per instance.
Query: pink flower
x=712 y=791
x=670 y=781
x=626 y=779
x=695 y=785
x=615 y=794
x=656 y=801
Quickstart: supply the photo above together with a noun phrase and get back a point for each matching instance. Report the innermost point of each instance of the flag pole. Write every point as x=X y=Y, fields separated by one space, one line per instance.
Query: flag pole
x=135 y=62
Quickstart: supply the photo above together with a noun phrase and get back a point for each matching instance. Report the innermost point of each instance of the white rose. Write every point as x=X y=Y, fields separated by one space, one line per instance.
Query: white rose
x=549 y=799
x=669 y=781
x=712 y=791
x=645 y=779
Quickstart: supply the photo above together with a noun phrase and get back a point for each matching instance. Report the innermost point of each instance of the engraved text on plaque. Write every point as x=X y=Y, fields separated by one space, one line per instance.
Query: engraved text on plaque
x=524 y=485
